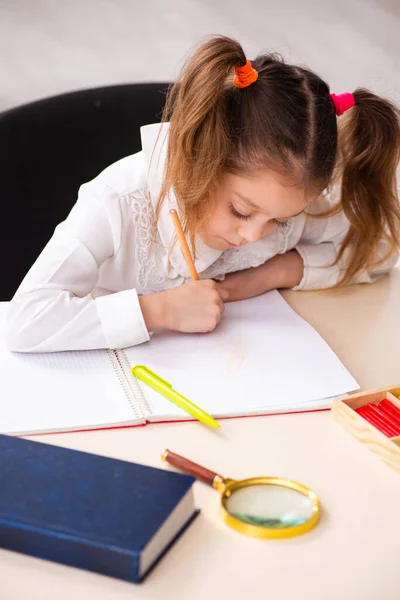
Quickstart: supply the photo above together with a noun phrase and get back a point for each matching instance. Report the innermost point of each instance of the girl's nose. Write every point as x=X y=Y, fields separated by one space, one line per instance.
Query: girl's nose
x=253 y=232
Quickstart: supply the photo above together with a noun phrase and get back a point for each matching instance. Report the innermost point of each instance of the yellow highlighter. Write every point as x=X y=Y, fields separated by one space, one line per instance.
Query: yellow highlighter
x=165 y=389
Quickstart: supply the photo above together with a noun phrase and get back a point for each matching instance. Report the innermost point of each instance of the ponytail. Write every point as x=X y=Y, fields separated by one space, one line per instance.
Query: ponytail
x=369 y=143
x=199 y=129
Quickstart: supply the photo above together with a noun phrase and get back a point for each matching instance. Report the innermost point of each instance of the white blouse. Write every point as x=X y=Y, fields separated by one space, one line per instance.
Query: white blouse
x=82 y=291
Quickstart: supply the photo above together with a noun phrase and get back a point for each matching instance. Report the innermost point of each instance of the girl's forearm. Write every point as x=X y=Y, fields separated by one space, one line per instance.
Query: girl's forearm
x=281 y=271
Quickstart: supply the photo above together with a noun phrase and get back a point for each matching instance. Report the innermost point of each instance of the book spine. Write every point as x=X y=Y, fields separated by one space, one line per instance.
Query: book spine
x=141 y=405
x=69 y=550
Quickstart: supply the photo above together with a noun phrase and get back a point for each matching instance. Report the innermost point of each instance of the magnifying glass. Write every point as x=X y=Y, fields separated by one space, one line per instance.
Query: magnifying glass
x=265 y=507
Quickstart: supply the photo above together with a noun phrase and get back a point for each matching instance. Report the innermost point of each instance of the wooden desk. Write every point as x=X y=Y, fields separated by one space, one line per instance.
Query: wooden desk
x=353 y=553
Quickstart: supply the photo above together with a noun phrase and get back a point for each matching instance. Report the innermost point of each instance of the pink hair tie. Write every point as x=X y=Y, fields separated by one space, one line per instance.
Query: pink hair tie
x=342 y=102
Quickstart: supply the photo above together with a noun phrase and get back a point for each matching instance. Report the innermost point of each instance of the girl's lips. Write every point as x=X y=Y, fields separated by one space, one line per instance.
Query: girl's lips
x=230 y=243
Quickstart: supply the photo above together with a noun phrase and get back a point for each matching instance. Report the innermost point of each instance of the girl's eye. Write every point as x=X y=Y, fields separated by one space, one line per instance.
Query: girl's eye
x=238 y=215
x=280 y=223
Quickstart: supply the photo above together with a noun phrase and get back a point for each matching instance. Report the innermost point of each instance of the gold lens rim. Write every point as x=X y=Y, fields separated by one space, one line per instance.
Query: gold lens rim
x=228 y=486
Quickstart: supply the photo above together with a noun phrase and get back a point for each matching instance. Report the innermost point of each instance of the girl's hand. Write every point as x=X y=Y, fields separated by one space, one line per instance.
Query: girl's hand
x=195 y=307
x=281 y=271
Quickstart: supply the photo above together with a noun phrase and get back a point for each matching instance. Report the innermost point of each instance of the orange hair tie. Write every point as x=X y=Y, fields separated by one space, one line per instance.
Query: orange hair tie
x=245 y=75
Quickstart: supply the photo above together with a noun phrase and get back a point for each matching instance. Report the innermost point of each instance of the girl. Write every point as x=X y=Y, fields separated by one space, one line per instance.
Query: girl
x=271 y=194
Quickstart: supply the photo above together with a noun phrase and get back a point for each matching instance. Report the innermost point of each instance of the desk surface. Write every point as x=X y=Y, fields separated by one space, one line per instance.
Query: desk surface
x=351 y=555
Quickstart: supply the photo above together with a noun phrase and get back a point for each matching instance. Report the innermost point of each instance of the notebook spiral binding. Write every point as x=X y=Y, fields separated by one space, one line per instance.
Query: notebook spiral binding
x=117 y=366
x=130 y=384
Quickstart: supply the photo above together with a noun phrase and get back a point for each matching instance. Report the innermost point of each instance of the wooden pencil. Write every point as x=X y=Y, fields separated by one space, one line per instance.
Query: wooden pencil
x=184 y=245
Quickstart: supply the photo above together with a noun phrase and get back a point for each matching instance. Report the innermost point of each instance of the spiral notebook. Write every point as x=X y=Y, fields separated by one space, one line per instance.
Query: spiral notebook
x=262 y=359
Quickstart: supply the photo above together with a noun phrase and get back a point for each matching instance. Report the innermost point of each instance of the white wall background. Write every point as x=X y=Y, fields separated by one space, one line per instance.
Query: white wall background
x=51 y=46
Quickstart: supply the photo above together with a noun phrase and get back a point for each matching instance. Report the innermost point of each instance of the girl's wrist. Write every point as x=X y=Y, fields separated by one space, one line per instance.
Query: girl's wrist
x=284 y=270
x=154 y=310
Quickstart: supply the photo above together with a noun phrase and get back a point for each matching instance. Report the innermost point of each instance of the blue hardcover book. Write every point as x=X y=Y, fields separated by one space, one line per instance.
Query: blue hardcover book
x=109 y=516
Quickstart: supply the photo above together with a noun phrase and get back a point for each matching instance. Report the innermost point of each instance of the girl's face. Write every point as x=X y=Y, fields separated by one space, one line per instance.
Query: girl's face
x=250 y=207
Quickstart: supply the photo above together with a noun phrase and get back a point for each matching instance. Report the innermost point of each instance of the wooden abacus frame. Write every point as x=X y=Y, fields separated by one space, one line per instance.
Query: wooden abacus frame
x=343 y=411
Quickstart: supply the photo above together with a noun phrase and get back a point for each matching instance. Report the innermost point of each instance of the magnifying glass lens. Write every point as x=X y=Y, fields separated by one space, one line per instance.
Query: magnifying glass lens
x=267 y=505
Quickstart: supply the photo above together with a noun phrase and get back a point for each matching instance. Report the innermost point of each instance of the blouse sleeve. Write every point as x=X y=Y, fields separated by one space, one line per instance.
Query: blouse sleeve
x=53 y=309
x=320 y=243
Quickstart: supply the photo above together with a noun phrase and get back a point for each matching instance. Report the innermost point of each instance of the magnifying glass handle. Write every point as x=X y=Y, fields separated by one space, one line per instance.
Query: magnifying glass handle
x=183 y=464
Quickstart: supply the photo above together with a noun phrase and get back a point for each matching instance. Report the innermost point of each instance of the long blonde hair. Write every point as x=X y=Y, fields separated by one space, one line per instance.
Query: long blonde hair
x=285 y=121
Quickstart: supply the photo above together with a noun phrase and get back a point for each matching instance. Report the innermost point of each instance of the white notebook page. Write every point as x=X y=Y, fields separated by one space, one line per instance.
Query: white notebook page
x=263 y=357
x=58 y=391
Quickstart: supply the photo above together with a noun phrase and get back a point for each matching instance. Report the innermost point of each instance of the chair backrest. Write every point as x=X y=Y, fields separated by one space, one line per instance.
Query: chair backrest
x=48 y=149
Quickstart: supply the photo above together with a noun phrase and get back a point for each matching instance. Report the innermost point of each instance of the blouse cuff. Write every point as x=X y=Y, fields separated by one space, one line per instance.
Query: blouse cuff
x=122 y=319
x=320 y=272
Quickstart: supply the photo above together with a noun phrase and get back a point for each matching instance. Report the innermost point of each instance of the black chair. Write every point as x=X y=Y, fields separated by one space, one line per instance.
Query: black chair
x=48 y=149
